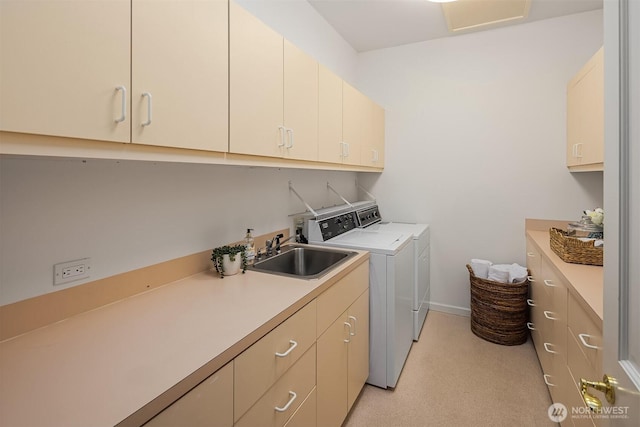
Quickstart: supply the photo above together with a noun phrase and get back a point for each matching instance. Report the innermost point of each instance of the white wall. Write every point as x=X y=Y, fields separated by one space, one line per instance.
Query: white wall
x=299 y=23
x=133 y=214
x=475 y=140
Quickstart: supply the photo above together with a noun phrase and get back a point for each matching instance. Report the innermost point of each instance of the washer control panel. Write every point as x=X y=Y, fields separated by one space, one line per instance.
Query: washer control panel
x=369 y=216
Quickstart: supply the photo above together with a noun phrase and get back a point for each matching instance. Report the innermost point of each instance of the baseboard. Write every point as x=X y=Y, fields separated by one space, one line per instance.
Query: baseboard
x=451 y=309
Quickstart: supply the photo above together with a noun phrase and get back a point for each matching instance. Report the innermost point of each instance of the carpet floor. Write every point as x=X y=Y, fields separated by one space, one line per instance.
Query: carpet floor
x=453 y=378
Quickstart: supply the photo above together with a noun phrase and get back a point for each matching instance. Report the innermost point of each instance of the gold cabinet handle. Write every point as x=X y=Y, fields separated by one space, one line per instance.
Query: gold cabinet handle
x=606 y=387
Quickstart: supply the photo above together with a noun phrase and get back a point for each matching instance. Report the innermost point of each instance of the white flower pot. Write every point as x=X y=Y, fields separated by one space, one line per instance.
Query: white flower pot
x=231 y=267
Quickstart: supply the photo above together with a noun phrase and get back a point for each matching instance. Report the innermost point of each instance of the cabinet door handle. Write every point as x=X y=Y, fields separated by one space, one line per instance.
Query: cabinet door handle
x=549 y=283
x=585 y=343
x=546 y=347
x=374 y=155
x=293 y=345
x=355 y=323
x=530 y=326
x=548 y=315
x=531 y=254
x=579 y=150
x=531 y=279
x=348 y=340
x=291 y=399
x=123 y=108
x=530 y=303
x=149 y=111
x=546 y=380
x=290 y=133
x=282 y=130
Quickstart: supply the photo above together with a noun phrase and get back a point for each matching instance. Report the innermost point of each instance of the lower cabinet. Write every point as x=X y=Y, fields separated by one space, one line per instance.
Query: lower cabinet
x=306 y=372
x=209 y=404
x=566 y=335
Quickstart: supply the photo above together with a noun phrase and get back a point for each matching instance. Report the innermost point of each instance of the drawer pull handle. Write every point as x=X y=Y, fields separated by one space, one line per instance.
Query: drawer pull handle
x=531 y=279
x=286 y=353
x=585 y=343
x=355 y=322
x=546 y=381
x=285 y=407
x=548 y=315
x=530 y=254
x=530 y=326
x=531 y=303
x=549 y=283
x=348 y=340
x=546 y=347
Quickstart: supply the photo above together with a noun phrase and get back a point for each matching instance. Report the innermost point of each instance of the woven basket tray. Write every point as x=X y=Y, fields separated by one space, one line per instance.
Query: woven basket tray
x=572 y=250
x=499 y=311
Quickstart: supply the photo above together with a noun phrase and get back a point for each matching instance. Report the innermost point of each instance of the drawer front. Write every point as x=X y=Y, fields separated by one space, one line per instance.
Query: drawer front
x=300 y=379
x=586 y=332
x=335 y=300
x=578 y=413
x=259 y=367
x=208 y=404
x=579 y=367
x=306 y=414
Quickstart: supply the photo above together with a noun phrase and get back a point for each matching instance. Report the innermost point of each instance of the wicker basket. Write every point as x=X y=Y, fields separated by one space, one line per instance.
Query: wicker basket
x=499 y=311
x=572 y=250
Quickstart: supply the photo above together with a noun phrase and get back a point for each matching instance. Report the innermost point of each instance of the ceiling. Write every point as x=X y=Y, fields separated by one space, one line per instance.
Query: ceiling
x=376 y=24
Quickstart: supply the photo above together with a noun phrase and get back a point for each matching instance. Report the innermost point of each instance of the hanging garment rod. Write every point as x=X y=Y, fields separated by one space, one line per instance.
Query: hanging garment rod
x=309 y=208
x=338 y=194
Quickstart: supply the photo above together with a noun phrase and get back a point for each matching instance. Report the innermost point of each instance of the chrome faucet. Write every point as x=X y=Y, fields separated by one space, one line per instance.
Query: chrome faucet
x=273 y=245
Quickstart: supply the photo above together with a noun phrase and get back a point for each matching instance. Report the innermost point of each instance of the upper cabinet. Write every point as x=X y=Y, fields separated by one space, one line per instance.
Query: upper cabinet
x=197 y=75
x=179 y=77
x=65 y=68
x=146 y=72
x=274 y=92
x=585 y=117
x=351 y=126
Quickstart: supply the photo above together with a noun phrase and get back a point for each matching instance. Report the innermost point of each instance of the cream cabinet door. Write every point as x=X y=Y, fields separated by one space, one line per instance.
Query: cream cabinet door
x=585 y=114
x=256 y=86
x=300 y=104
x=373 y=143
x=179 y=91
x=355 y=113
x=358 y=359
x=332 y=371
x=58 y=78
x=330 y=146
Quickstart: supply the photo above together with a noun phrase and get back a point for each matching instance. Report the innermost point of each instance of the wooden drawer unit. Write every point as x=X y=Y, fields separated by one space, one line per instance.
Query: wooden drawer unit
x=586 y=333
x=208 y=404
x=335 y=300
x=282 y=400
x=260 y=366
x=306 y=414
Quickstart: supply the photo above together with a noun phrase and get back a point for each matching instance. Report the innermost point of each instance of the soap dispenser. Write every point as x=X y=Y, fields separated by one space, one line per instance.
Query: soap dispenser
x=250 y=246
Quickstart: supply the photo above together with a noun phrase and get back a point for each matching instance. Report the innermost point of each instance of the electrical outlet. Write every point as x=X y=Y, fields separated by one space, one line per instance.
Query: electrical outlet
x=70 y=271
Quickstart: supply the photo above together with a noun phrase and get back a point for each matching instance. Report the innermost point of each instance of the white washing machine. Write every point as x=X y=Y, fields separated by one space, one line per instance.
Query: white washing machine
x=391 y=267
x=422 y=269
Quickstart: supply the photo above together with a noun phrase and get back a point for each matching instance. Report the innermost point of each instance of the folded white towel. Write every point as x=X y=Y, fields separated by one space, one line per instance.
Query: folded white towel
x=517 y=273
x=480 y=267
x=499 y=273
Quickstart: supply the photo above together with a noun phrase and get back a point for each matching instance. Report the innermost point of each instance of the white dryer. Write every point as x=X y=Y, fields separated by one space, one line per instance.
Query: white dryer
x=422 y=269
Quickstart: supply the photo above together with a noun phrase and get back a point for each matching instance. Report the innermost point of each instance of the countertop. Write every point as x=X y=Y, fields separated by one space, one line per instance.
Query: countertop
x=121 y=363
x=585 y=281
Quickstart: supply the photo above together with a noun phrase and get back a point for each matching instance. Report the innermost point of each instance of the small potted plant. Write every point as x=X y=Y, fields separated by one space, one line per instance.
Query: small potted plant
x=229 y=260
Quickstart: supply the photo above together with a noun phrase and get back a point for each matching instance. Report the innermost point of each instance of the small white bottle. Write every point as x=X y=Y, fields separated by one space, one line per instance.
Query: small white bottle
x=250 y=246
